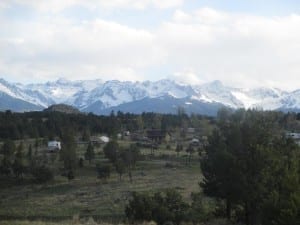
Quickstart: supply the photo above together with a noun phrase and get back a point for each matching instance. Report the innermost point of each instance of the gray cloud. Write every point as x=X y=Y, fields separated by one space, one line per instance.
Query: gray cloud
x=203 y=45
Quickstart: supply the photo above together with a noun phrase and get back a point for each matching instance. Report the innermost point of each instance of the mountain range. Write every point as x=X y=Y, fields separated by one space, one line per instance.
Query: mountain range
x=164 y=96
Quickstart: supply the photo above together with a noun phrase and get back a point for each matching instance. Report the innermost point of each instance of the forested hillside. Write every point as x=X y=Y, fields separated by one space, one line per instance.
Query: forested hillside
x=239 y=167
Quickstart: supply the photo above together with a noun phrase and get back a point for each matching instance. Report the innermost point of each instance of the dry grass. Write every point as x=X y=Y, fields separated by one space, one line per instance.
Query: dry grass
x=89 y=221
x=87 y=196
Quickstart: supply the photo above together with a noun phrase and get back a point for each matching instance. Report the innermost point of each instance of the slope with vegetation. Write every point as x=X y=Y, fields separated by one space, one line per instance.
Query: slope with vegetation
x=249 y=170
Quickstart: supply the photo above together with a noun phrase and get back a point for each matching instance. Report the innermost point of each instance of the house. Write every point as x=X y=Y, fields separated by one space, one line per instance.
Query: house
x=195 y=142
x=295 y=136
x=99 y=140
x=156 y=135
x=190 y=130
x=138 y=136
x=54 y=146
x=126 y=133
x=104 y=139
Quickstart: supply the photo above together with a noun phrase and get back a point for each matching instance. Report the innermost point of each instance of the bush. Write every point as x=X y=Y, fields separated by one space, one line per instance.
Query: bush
x=42 y=174
x=103 y=171
x=161 y=207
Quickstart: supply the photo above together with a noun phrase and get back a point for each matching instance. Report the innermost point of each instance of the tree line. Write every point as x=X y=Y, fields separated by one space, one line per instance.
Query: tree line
x=17 y=126
x=250 y=168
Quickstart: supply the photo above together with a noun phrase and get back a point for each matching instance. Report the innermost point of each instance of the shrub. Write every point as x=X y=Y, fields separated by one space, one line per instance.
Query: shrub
x=42 y=174
x=161 y=207
x=103 y=171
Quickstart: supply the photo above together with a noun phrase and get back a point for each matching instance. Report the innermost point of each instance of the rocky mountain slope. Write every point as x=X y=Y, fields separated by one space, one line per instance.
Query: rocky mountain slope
x=165 y=96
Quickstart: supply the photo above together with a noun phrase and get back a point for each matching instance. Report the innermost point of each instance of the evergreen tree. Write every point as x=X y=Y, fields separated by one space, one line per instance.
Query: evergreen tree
x=19 y=165
x=68 y=152
x=29 y=153
x=190 y=150
x=178 y=149
x=130 y=156
x=249 y=164
x=120 y=168
x=8 y=150
x=111 y=151
x=89 y=154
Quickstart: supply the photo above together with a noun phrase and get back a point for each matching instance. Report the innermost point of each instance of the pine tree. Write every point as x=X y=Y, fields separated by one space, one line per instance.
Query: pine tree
x=19 y=165
x=8 y=150
x=90 y=153
x=29 y=153
x=68 y=152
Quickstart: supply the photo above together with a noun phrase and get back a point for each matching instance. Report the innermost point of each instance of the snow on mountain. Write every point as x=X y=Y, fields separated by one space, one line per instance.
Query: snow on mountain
x=65 y=91
x=98 y=94
x=290 y=100
x=166 y=87
x=217 y=92
x=16 y=91
x=113 y=93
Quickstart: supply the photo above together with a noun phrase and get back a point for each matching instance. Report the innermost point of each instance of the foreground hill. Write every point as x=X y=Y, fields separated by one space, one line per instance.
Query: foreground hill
x=62 y=108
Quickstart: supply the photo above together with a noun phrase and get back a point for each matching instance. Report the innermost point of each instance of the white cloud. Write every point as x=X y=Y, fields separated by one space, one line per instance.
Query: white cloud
x=203 y=45
x=238 y=49
x=48 y=49
x=180 y=16
x=187 y=76
x=59 y=5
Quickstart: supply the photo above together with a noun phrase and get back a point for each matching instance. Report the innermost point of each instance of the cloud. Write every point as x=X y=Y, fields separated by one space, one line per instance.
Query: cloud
x=187 y=76
x=59 y=5
x=238 y=49
x=52 y=48
x=200 y=45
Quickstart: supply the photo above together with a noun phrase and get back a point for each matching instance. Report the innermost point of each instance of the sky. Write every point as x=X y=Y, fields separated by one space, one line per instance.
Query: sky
x=243 y=43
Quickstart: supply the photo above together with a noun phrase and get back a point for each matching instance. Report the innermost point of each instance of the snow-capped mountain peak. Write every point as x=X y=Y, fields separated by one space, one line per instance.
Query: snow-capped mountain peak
x=96 y=95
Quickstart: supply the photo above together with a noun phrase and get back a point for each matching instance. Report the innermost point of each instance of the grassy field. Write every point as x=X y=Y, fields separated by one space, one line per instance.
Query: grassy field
x=90 y=221
x=86 y=196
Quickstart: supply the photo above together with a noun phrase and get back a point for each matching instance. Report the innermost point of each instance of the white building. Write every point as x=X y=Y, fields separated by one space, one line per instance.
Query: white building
x=104 y=139
x=54 y=145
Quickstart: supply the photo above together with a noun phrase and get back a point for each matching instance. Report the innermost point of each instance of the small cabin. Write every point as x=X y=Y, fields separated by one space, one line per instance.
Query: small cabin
x=156 y=135
x=54 y=146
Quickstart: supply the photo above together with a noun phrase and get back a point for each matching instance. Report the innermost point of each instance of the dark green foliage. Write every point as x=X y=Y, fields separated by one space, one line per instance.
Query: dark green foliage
x=190 y=150
x=52 y=124
x=120 y=168
x=62 y=108
x=42 y=174
x=8 y=149
x=161 y=207
x=90 y=153
x=86 y=135
x=80 y=163
x=19 y=164
x=5 y=167
x=68 y=151
x=202 y=208
x=249 y=164
x=111 y=151
x=103 y=171
x=70 y=175
x=122 y=159
x=179 y=148
x=29 y=153
x=130 y=156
